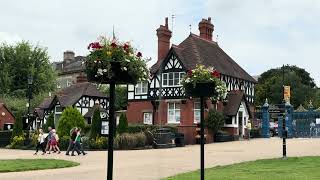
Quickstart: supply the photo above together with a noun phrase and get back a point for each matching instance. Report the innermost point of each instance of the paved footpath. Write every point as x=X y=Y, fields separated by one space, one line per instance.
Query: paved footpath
x=160 y=163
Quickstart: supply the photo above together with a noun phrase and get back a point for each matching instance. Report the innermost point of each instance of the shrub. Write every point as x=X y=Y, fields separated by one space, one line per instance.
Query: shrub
x=98 y=143
x=136 y=128
x=18 y=127
x=70 y=118
x=96 y=124
x=130 y=141
x=49 y=123
x=214 y=120
x=123 y=124
x=64 y=142
x=17 y=142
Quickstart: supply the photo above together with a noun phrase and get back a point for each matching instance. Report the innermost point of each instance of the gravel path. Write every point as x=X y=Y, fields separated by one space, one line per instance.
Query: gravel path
x=160 y=163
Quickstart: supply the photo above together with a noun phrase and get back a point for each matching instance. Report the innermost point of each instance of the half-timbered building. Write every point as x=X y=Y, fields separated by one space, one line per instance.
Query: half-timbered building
x=84 y=96
x=161 y=100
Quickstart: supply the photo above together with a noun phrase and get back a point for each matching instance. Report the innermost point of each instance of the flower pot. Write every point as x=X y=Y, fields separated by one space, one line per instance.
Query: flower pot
x=119 y=75
x=200 y=90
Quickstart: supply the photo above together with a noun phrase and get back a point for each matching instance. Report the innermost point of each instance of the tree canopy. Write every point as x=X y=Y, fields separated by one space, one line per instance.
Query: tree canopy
x=69 y=119
x=21 y=60
x=303 y=87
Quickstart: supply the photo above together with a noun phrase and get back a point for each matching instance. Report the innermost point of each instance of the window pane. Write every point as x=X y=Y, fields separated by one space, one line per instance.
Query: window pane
x=165 y=79
x=196 y=105
x=171 y=106
x=177 y=115
x=197 y=115
x=176 y=78
x=177 y=105
x=170 y=79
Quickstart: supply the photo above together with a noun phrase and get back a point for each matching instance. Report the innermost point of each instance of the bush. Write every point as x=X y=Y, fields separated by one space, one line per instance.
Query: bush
x=136 y=128
x=96 y=124
x=255 y=133
x=98 y=143
x=70 y=118
x=17 y=142
x=18 y=127
x=49 y=123
x=123 y=124
x=214 y=120
x=127 y=141
x=64 y=142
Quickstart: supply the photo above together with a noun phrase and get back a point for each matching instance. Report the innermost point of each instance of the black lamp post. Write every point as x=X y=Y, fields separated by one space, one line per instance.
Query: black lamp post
x=30 y=83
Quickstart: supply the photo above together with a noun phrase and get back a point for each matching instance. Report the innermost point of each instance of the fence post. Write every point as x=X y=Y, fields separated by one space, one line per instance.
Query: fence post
x=265 y=120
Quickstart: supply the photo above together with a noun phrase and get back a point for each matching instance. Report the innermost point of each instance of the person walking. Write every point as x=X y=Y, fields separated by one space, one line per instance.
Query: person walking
x=77 y=145
x=73 y=135
x=49 y=138
x=54 y=142
x=249 y=128
x=41 y=143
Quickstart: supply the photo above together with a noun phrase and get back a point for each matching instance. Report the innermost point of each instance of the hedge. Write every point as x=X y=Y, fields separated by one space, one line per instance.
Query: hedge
x=136 y=128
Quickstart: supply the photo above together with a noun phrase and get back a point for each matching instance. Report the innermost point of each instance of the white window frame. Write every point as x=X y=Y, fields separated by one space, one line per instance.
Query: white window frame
x=195 y=112
x=173 y=79
x=149 y=115
x=139 y=86
x=176 y=113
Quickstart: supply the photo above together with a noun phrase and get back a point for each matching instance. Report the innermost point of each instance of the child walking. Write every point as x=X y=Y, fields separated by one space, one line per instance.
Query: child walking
x=54 y=142
x=41 y=143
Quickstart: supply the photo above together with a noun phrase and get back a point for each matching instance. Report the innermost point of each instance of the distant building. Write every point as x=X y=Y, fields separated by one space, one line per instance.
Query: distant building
x=69 y=69
x=7 y=119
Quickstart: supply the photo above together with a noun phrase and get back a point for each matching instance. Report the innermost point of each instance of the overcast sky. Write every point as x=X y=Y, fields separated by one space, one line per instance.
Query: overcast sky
x=257 y=34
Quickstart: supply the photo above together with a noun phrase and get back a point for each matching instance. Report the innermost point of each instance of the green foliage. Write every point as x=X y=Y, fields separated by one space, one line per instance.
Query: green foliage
x=64 y=142
x=70 y=118
x=130 y=141
x=136 y=128
x=17 y=142
x=96 y=124
x=98 y=143
x=269 y=86
x=121 y=99
x=123 y=124
x=19 y=61
x=214 y=120
x=18 y=127
x=49 y=123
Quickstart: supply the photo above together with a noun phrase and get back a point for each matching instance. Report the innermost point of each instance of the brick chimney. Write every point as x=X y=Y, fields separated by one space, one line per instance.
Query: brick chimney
x=68 y=56
x=164 y=35
x=206 y=28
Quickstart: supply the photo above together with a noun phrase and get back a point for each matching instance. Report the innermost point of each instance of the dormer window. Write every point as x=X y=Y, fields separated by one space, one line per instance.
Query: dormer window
x=172 y=79
x=141 y=88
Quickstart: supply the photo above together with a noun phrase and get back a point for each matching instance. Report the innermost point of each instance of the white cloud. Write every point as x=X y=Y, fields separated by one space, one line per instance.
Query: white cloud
x=258 y=34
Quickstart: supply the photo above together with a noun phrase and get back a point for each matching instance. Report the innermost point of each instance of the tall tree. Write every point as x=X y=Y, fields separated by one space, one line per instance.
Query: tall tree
x=19 y=61
x=303 y=87
x=96 y=124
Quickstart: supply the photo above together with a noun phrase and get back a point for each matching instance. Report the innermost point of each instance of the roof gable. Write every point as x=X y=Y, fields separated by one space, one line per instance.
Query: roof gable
x=3 y=106
x=235 y=98
x=195 y=50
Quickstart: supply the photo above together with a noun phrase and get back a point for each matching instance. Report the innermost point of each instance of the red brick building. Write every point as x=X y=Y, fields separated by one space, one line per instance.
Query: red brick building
x=162 y=101
x=7 y=119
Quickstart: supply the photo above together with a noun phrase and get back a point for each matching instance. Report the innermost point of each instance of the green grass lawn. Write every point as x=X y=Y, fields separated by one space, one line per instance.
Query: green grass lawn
x=15 y=165
x=275 y=169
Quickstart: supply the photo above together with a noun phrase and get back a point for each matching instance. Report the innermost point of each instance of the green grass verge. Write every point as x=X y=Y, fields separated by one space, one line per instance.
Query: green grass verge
x=295 y=168
x=16 y=165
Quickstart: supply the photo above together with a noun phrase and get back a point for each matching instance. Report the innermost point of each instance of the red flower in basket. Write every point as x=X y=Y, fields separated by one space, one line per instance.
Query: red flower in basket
x=189 y=72
x=114 y=45
x=139 y=54
x=216 y=74
x=126 y=46
x=95 y=45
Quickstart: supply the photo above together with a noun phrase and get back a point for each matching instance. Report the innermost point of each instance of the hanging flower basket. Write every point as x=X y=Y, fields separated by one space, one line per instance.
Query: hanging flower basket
x=204 y=82
x=200 y=89
x=111 y=61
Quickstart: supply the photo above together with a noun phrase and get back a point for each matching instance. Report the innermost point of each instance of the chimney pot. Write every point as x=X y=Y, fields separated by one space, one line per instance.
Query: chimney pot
x=164 y=35
x=206 y=29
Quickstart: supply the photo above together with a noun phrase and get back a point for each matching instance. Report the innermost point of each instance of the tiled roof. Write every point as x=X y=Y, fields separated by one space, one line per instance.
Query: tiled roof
x=90 y=112
x=195 y=50
x=234 y=101
x=3 y=106
x=70 y=95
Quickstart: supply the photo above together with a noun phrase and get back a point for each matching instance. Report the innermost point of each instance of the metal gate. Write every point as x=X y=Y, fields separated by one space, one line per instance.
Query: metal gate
x=306 y=122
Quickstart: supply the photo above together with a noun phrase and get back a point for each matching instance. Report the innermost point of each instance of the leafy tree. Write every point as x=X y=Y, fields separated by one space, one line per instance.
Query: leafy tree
x=214 y=120
x=49 y=123
x=19 y=61
x=120 y=98
x=270 y=83
x=123 y=124
x=18 y=126
x=96 y=124
x=70 y=118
